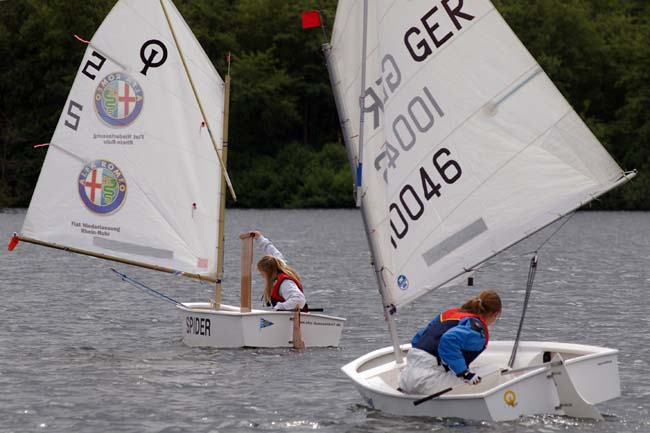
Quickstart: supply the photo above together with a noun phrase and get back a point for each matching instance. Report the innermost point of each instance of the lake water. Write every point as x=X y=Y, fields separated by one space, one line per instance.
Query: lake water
x=82 y=351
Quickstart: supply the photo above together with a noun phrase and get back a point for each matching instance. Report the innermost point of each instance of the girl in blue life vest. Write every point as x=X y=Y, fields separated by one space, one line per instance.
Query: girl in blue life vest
x=441 y=353
x=282 y=285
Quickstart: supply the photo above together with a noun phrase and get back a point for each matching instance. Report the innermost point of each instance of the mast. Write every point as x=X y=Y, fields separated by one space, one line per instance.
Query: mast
x=375 y=258
x=362 y=103
x=222 y=190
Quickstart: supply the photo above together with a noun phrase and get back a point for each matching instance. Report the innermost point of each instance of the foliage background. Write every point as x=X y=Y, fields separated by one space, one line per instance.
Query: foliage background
x=285 y=145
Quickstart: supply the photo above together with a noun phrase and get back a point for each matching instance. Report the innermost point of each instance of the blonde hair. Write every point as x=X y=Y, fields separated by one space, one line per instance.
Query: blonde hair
x=487 y=302
x=272 y=267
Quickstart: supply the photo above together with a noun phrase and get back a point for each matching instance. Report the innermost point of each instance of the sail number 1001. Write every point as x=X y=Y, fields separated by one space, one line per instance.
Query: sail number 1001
x=410 y=206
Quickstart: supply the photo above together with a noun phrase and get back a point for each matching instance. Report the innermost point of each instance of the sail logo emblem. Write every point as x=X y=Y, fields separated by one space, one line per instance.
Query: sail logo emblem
x=118 y=99
x=102 y=186
x=402 y=282
x=265 y=323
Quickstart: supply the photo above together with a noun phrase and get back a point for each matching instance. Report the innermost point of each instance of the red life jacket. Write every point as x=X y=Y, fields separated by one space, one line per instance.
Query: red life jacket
x=456 y=314
x=275 y=291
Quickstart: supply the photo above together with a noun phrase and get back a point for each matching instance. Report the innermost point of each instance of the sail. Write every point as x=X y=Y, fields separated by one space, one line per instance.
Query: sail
x=131 y=171
x=345 y=68
x=470 y=147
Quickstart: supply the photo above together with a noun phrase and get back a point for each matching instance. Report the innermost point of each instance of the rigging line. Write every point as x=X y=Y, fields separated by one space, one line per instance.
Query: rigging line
x=529 y=288
x=485 y=264
x=554 y=232
x=621 y=180
x=148 y=290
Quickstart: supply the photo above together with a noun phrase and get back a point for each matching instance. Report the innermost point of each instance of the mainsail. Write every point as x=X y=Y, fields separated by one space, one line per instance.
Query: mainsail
x=131 y=171
x=468 y=146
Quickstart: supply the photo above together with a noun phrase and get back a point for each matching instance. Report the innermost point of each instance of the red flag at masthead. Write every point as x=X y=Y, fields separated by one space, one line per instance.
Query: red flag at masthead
x=310 y=19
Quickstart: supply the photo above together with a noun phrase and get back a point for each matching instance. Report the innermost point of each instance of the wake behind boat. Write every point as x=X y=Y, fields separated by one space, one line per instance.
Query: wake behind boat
x=136 y=169
x=462 y=147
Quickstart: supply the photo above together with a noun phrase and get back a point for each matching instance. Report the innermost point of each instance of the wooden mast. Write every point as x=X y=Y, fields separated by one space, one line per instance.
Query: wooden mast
x=222 y=189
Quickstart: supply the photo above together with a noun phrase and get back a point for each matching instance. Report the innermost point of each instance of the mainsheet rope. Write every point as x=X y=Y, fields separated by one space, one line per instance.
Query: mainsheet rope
x=148 y=290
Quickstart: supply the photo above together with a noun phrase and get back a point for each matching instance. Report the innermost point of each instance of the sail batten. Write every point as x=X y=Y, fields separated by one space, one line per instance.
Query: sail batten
x=468 y=146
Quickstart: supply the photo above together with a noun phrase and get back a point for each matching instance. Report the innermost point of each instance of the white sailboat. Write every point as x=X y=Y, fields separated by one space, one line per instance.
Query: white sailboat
x=135 y=171
x=462 y=148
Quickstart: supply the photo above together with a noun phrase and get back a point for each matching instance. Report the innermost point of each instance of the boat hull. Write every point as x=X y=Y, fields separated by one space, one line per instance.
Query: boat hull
x=228 y=327
x=580 y=377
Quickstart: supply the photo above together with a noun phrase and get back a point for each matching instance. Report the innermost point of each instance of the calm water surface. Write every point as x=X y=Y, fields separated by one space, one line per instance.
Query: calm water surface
x=81 y=351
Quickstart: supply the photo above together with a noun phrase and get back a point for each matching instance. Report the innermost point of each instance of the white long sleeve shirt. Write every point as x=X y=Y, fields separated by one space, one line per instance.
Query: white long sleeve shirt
x=289 y=290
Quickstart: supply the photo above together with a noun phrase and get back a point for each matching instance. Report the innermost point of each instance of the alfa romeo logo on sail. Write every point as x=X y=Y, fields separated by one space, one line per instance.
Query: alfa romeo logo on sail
x=118 y=99
x=102 y=186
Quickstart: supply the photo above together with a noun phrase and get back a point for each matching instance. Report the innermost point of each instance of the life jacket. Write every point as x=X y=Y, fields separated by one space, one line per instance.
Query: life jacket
x=275 y=291
x=429 y=338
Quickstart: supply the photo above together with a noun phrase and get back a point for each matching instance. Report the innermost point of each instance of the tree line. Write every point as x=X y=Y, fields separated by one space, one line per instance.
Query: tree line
x=285 y=143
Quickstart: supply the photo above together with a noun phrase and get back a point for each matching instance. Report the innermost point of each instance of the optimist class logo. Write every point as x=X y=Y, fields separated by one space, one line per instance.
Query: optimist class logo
x=102 y=186
x=118 y=99
x=402 y=282
x=265 y=323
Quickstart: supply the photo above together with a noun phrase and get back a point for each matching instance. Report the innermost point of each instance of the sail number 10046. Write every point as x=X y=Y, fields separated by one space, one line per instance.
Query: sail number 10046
x=410 y=206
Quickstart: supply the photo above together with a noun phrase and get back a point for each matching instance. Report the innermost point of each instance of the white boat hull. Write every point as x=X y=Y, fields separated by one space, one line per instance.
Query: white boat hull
x=587 y=376
x=228 y=327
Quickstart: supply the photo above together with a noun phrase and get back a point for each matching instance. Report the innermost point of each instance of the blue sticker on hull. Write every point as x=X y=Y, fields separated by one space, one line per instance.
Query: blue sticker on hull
x=265 y=323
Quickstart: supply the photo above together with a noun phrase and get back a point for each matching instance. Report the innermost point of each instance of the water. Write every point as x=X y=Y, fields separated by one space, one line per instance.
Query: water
x=81 y=351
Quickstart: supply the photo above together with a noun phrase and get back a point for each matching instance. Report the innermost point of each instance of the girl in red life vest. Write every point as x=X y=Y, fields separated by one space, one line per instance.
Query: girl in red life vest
x=441 y=353
x=282 y=286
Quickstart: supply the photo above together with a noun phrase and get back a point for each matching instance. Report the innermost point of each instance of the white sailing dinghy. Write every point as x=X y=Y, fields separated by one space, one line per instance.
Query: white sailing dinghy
x=135 y=171
x=462 y=147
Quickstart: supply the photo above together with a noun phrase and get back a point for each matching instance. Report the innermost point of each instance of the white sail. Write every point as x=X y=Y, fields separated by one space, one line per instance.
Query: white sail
x=345 y=68
x=469 y=147
x=131 y=171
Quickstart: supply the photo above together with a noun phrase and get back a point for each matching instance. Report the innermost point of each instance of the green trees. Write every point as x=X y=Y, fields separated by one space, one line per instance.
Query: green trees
x=298 y=176
x=40 y=58
x=285 y=149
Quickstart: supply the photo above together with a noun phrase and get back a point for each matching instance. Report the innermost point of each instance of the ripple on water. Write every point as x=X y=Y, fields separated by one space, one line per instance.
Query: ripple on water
x=82 y=351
